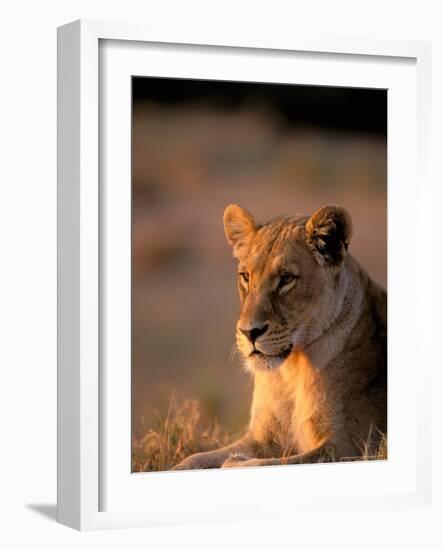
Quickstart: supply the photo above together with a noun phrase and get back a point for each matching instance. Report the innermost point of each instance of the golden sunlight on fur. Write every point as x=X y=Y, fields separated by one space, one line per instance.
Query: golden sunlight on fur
x=312 y=331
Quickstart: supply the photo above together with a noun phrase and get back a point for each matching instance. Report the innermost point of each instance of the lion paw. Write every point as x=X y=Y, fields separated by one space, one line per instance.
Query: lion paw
x=235 y=460
x=194 y=462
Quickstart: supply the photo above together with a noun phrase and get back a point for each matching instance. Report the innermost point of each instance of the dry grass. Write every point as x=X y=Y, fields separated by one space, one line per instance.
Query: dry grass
x=181 y=434
x=177 y=436
x=379 y=452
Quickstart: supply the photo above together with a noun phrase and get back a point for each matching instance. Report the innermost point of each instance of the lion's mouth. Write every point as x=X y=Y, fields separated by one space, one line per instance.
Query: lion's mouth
x=282 y=355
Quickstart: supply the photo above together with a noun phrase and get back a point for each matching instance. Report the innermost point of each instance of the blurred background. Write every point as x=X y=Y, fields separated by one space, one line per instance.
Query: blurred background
x=199 y=146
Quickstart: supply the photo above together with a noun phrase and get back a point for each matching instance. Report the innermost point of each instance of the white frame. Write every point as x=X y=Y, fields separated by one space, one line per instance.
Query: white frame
x=118 y=62
x=78 y=263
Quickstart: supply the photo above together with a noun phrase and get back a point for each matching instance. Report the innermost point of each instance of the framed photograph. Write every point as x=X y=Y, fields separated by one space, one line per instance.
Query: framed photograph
x=235 y=288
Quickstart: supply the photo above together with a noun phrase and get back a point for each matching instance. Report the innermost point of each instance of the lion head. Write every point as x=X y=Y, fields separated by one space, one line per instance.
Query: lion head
x=290 y=278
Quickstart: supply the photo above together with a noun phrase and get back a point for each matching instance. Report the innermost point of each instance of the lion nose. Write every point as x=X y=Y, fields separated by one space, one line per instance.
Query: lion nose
x=254 y=333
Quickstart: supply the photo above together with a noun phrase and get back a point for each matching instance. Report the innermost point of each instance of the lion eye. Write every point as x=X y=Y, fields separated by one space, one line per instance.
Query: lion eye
x=285 y=279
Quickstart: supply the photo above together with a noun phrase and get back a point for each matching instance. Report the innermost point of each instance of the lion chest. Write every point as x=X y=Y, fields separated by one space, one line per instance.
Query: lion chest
x=288 y=409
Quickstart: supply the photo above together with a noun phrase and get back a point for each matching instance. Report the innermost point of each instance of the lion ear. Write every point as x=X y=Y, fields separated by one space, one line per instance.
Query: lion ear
x=239 y=227
x=328 y=234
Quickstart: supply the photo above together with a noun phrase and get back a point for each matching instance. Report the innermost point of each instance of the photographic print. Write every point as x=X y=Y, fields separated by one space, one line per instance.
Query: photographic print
x=259 y=273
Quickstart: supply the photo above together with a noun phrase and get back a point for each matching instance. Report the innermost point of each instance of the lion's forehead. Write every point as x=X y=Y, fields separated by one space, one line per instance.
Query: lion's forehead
x=276 y=247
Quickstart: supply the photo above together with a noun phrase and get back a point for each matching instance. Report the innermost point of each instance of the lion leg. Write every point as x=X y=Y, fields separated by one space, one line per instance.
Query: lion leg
x=323 y=453
x=215 y=459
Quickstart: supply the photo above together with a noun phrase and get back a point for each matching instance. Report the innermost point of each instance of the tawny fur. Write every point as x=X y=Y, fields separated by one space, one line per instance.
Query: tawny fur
x=320 y=368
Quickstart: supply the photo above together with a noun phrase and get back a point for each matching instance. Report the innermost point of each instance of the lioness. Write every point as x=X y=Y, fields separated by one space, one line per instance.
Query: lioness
x=312 y=330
